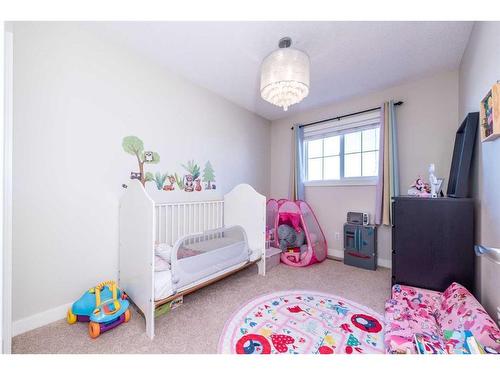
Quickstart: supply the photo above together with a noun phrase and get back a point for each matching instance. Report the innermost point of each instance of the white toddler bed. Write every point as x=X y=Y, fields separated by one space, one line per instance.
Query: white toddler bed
x=196 y=243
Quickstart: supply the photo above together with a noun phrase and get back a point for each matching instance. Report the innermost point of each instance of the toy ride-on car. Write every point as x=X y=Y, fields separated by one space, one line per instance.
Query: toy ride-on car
x=104 y=307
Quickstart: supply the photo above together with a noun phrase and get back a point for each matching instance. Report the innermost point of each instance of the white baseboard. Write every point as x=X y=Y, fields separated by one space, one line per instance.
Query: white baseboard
x=339 y=254
x=40 y=319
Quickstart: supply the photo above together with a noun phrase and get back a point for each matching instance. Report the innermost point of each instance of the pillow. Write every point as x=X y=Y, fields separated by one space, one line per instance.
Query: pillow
x=161 y=264
x=164 y=251
x=461 y=311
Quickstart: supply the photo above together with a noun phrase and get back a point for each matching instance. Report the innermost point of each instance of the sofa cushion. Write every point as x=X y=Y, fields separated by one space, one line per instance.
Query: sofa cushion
x=460 y=311
x=417 y=297
x=410 y=311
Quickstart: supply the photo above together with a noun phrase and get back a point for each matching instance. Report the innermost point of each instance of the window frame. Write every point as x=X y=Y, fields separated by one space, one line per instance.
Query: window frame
x=342 y=181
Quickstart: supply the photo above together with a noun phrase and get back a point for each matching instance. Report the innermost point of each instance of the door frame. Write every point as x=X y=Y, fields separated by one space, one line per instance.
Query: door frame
x=7 y=45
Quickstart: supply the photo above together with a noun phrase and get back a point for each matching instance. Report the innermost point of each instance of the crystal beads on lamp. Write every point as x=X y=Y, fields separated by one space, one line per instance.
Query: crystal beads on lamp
x=285 y=77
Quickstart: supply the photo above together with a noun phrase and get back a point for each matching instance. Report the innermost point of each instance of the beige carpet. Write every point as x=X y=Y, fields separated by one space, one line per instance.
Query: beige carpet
x=196 y=325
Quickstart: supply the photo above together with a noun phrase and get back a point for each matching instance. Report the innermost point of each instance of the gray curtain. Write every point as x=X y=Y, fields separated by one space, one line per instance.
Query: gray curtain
x=388 y=180
x=298 y=167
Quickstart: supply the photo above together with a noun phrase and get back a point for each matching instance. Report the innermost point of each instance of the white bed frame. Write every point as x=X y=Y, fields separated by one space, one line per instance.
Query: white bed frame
x=144 y=223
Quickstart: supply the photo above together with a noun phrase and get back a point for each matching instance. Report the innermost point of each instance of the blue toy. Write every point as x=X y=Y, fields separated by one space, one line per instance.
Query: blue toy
x=104 y=307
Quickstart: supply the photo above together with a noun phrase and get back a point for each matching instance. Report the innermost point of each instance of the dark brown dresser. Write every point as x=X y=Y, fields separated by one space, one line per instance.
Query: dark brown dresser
x=433 y=242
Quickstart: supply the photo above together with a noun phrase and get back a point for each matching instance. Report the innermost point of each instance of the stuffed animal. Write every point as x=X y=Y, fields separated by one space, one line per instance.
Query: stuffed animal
x=289 y=237
x=420 y=188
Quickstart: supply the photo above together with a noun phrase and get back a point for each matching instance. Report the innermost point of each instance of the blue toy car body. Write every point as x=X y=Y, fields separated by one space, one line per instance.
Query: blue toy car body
x=104 y=307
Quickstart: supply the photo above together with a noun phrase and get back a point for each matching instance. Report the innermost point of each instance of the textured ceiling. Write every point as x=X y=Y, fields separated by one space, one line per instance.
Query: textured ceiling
x=347 y=58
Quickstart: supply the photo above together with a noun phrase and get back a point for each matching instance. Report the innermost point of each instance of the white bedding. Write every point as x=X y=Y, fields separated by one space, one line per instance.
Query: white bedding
x=161 y=264
x=163 y=275
x=163 y=251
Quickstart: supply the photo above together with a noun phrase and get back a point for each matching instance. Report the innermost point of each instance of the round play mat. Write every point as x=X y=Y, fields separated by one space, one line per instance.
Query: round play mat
x=296 y=322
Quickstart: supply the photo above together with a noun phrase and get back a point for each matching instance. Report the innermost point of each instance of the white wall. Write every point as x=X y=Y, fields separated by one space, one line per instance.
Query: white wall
x=75 y=97
x=427 y=122
x=479 y=70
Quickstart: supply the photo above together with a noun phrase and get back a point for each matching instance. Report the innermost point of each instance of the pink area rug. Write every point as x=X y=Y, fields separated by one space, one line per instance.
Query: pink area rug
x=302 y=322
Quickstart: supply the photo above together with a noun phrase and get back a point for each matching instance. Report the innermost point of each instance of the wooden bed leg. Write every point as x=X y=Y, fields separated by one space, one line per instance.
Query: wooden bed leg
x=261 y=265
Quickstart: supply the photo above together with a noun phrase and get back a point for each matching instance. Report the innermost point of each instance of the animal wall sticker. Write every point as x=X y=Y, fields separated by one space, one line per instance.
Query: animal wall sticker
x=170 y=186
x=188 y=182
x=134 y=146
x=135 y=176
x=191 y=178
x=197 y=186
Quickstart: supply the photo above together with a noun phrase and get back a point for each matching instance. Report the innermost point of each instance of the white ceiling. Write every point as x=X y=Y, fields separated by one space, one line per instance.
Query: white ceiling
x=347 y=58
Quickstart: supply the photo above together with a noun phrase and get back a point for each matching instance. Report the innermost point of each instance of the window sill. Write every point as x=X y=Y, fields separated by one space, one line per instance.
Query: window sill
x=361 y=181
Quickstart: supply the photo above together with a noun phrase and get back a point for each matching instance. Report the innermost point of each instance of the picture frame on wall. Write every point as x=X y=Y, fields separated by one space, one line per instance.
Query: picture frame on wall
x=490 y=114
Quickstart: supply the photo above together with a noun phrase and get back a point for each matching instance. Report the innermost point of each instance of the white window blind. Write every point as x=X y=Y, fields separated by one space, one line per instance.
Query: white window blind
x=344 y=125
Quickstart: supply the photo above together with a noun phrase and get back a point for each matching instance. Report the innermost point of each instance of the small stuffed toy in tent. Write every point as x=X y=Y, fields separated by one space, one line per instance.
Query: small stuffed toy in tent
x=296 y=232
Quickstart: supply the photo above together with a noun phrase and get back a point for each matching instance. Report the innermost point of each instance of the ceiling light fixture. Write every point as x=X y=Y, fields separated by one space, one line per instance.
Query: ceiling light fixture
x=284 y=79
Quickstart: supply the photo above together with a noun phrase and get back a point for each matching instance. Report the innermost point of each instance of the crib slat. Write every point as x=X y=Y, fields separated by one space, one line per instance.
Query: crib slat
x=175 y=220
x=184 y=220
x=191 y=208
x=179 y=222
x=217 y=214
x=190 y=219
x=199 y=218
x=214 y=218
x=205 y=216
x=221 y=213
x=160 y=222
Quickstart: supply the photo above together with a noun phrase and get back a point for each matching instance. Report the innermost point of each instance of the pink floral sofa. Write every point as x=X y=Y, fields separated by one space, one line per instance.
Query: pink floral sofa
x=413 y=310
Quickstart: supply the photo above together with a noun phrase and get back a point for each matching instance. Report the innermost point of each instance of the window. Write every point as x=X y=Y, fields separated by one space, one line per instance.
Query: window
x=361 y=153
x=344 y=152
x=323 y=159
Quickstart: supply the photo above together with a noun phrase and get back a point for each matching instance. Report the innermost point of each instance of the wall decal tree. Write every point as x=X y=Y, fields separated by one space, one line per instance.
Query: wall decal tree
x=208 y=175
x=134 y=146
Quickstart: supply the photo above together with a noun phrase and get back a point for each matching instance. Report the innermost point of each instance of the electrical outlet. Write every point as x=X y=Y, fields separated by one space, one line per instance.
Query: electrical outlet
x=337 y=236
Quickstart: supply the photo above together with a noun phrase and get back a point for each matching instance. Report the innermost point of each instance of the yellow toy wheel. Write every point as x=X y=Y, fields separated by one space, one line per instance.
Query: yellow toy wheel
x=94 y=330
x=128 y=314
x=70 y=317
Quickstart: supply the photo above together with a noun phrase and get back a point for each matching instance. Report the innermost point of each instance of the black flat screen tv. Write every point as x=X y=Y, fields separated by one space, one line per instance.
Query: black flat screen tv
x=459 y=181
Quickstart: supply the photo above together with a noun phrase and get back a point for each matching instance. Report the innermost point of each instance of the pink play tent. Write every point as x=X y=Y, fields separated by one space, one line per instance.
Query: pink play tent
x=289 y=212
